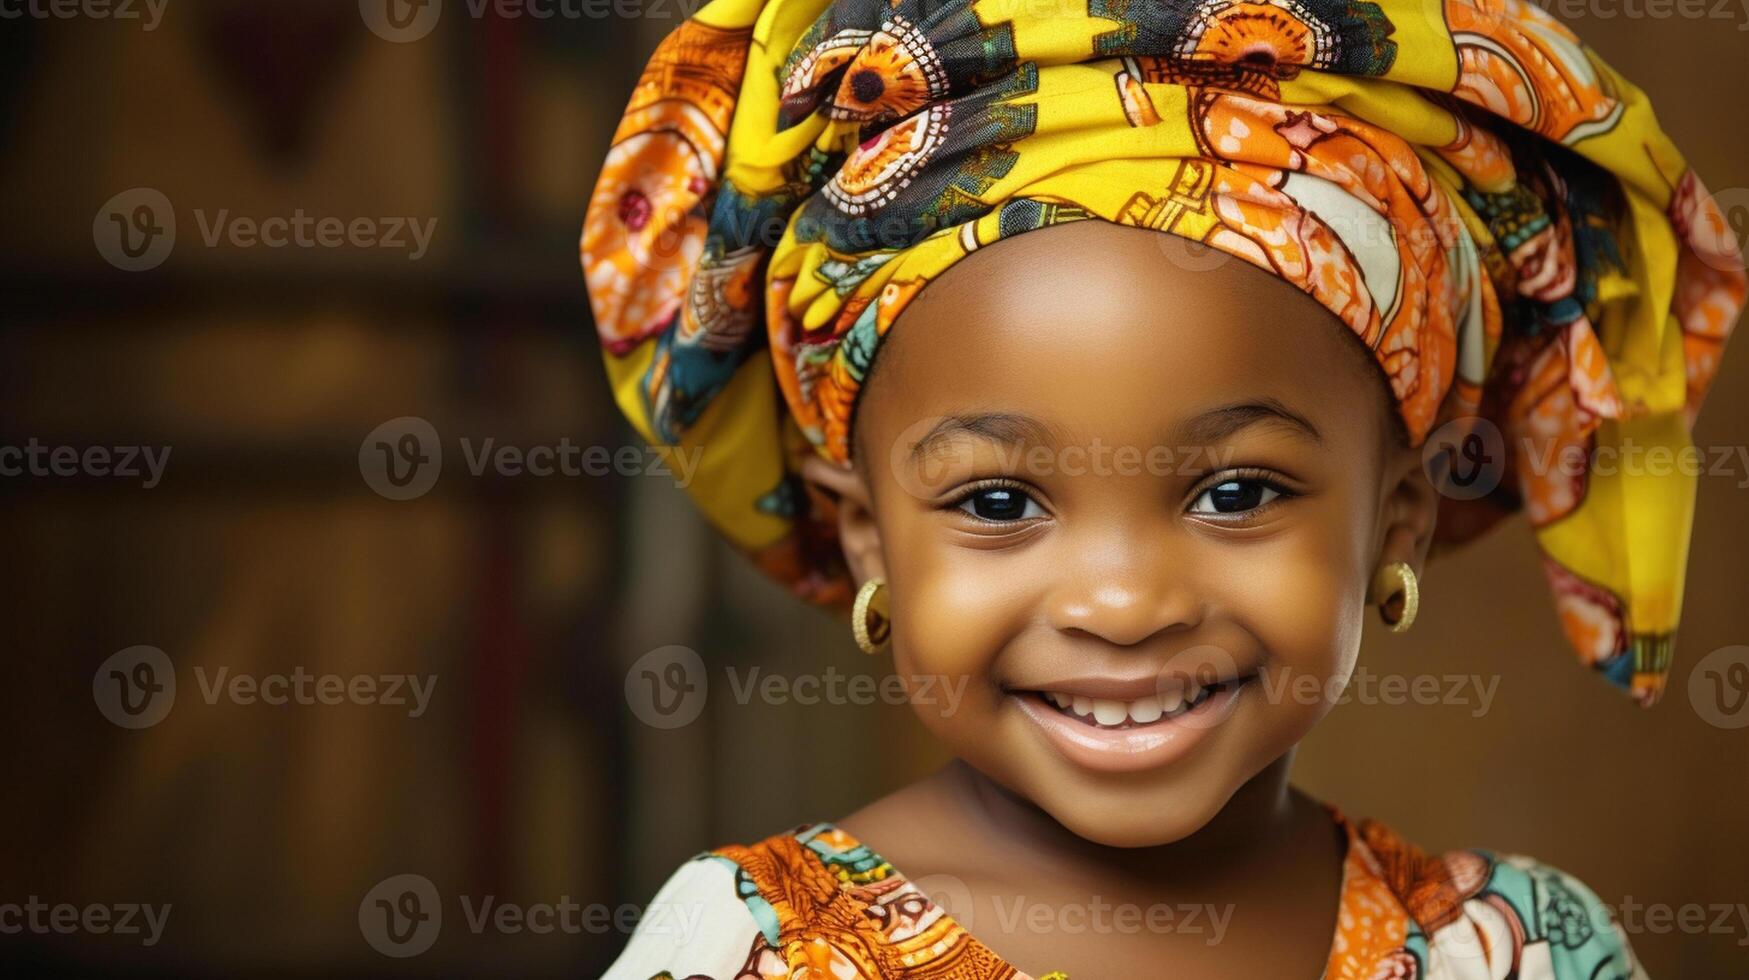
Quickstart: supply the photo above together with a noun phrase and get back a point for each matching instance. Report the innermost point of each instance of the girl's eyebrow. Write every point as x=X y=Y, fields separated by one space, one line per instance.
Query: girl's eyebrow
x=1005 y=427
x=1204 y=429
x=1216 y=424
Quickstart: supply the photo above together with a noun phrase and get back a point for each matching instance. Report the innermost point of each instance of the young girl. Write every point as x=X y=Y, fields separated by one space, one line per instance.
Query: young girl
x=1135 y=490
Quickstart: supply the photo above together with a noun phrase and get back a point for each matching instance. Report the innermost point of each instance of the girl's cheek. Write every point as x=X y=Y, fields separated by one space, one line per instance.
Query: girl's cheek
x=1303 y=599
x=952 y=616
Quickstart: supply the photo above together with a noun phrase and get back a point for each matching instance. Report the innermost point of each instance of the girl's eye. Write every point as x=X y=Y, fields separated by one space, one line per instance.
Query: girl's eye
x=1234 y=497
x=1001 y=504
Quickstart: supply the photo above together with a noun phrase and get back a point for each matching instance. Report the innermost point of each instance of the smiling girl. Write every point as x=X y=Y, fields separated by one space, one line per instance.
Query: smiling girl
x=1234 y=311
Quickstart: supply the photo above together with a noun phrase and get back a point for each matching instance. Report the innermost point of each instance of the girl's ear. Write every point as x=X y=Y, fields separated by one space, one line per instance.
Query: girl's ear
x=1408 y=512
x=858 y=533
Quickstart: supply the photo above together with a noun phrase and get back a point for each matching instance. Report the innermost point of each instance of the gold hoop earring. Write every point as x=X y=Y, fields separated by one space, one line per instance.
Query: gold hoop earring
x=868 y=618
x=1403 y=597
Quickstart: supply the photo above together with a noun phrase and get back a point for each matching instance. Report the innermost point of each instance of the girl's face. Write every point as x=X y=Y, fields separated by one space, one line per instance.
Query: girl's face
x=1133 y=493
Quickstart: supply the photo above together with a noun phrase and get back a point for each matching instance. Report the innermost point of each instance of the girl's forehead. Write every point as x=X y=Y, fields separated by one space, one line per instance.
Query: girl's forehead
x=1075 y=323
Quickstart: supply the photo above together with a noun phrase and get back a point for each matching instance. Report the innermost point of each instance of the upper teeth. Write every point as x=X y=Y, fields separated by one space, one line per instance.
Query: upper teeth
x=1142 y=711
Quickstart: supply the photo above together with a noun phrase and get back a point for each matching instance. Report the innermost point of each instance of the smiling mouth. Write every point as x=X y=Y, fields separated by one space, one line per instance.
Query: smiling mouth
x=1147 y=729
x=1116 y=715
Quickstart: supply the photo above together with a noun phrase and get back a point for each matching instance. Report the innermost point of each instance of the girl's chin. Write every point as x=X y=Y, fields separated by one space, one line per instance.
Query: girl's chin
x=1144 y=808
x=1129 y=823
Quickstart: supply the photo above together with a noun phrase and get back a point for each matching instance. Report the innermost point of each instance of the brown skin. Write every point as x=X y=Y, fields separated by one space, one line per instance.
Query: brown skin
x=1107 y=339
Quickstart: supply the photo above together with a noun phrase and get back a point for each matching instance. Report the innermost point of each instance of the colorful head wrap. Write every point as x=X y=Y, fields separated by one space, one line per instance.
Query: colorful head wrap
x=1481 y=199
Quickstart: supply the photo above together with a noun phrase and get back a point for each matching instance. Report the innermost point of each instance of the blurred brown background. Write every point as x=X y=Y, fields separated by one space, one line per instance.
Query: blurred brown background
x=263 y=550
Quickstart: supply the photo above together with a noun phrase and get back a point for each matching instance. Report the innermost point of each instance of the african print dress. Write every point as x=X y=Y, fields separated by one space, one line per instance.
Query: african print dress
x=816 y=903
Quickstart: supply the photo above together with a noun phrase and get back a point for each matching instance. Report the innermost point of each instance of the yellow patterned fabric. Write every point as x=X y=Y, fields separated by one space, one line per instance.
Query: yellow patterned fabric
x=1466 y=187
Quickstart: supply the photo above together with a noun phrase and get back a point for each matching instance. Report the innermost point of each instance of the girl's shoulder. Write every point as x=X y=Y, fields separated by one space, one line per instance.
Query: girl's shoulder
x=815 y=895
x=1473 y=913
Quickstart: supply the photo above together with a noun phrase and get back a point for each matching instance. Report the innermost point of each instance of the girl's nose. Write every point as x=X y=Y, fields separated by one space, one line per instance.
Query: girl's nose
x=1125 y=591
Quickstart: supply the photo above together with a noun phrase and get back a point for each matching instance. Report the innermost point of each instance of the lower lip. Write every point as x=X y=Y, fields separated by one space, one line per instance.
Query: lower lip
x=1135 y=748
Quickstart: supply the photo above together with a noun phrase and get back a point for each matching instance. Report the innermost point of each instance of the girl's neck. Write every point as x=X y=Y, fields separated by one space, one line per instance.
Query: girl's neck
x=1265 y=816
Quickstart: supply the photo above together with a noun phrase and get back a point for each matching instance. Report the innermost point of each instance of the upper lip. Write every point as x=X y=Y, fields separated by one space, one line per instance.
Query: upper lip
x=1130 y=688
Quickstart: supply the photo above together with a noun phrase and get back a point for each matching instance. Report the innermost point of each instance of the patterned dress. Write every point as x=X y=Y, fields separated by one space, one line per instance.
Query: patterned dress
x=816 y=903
